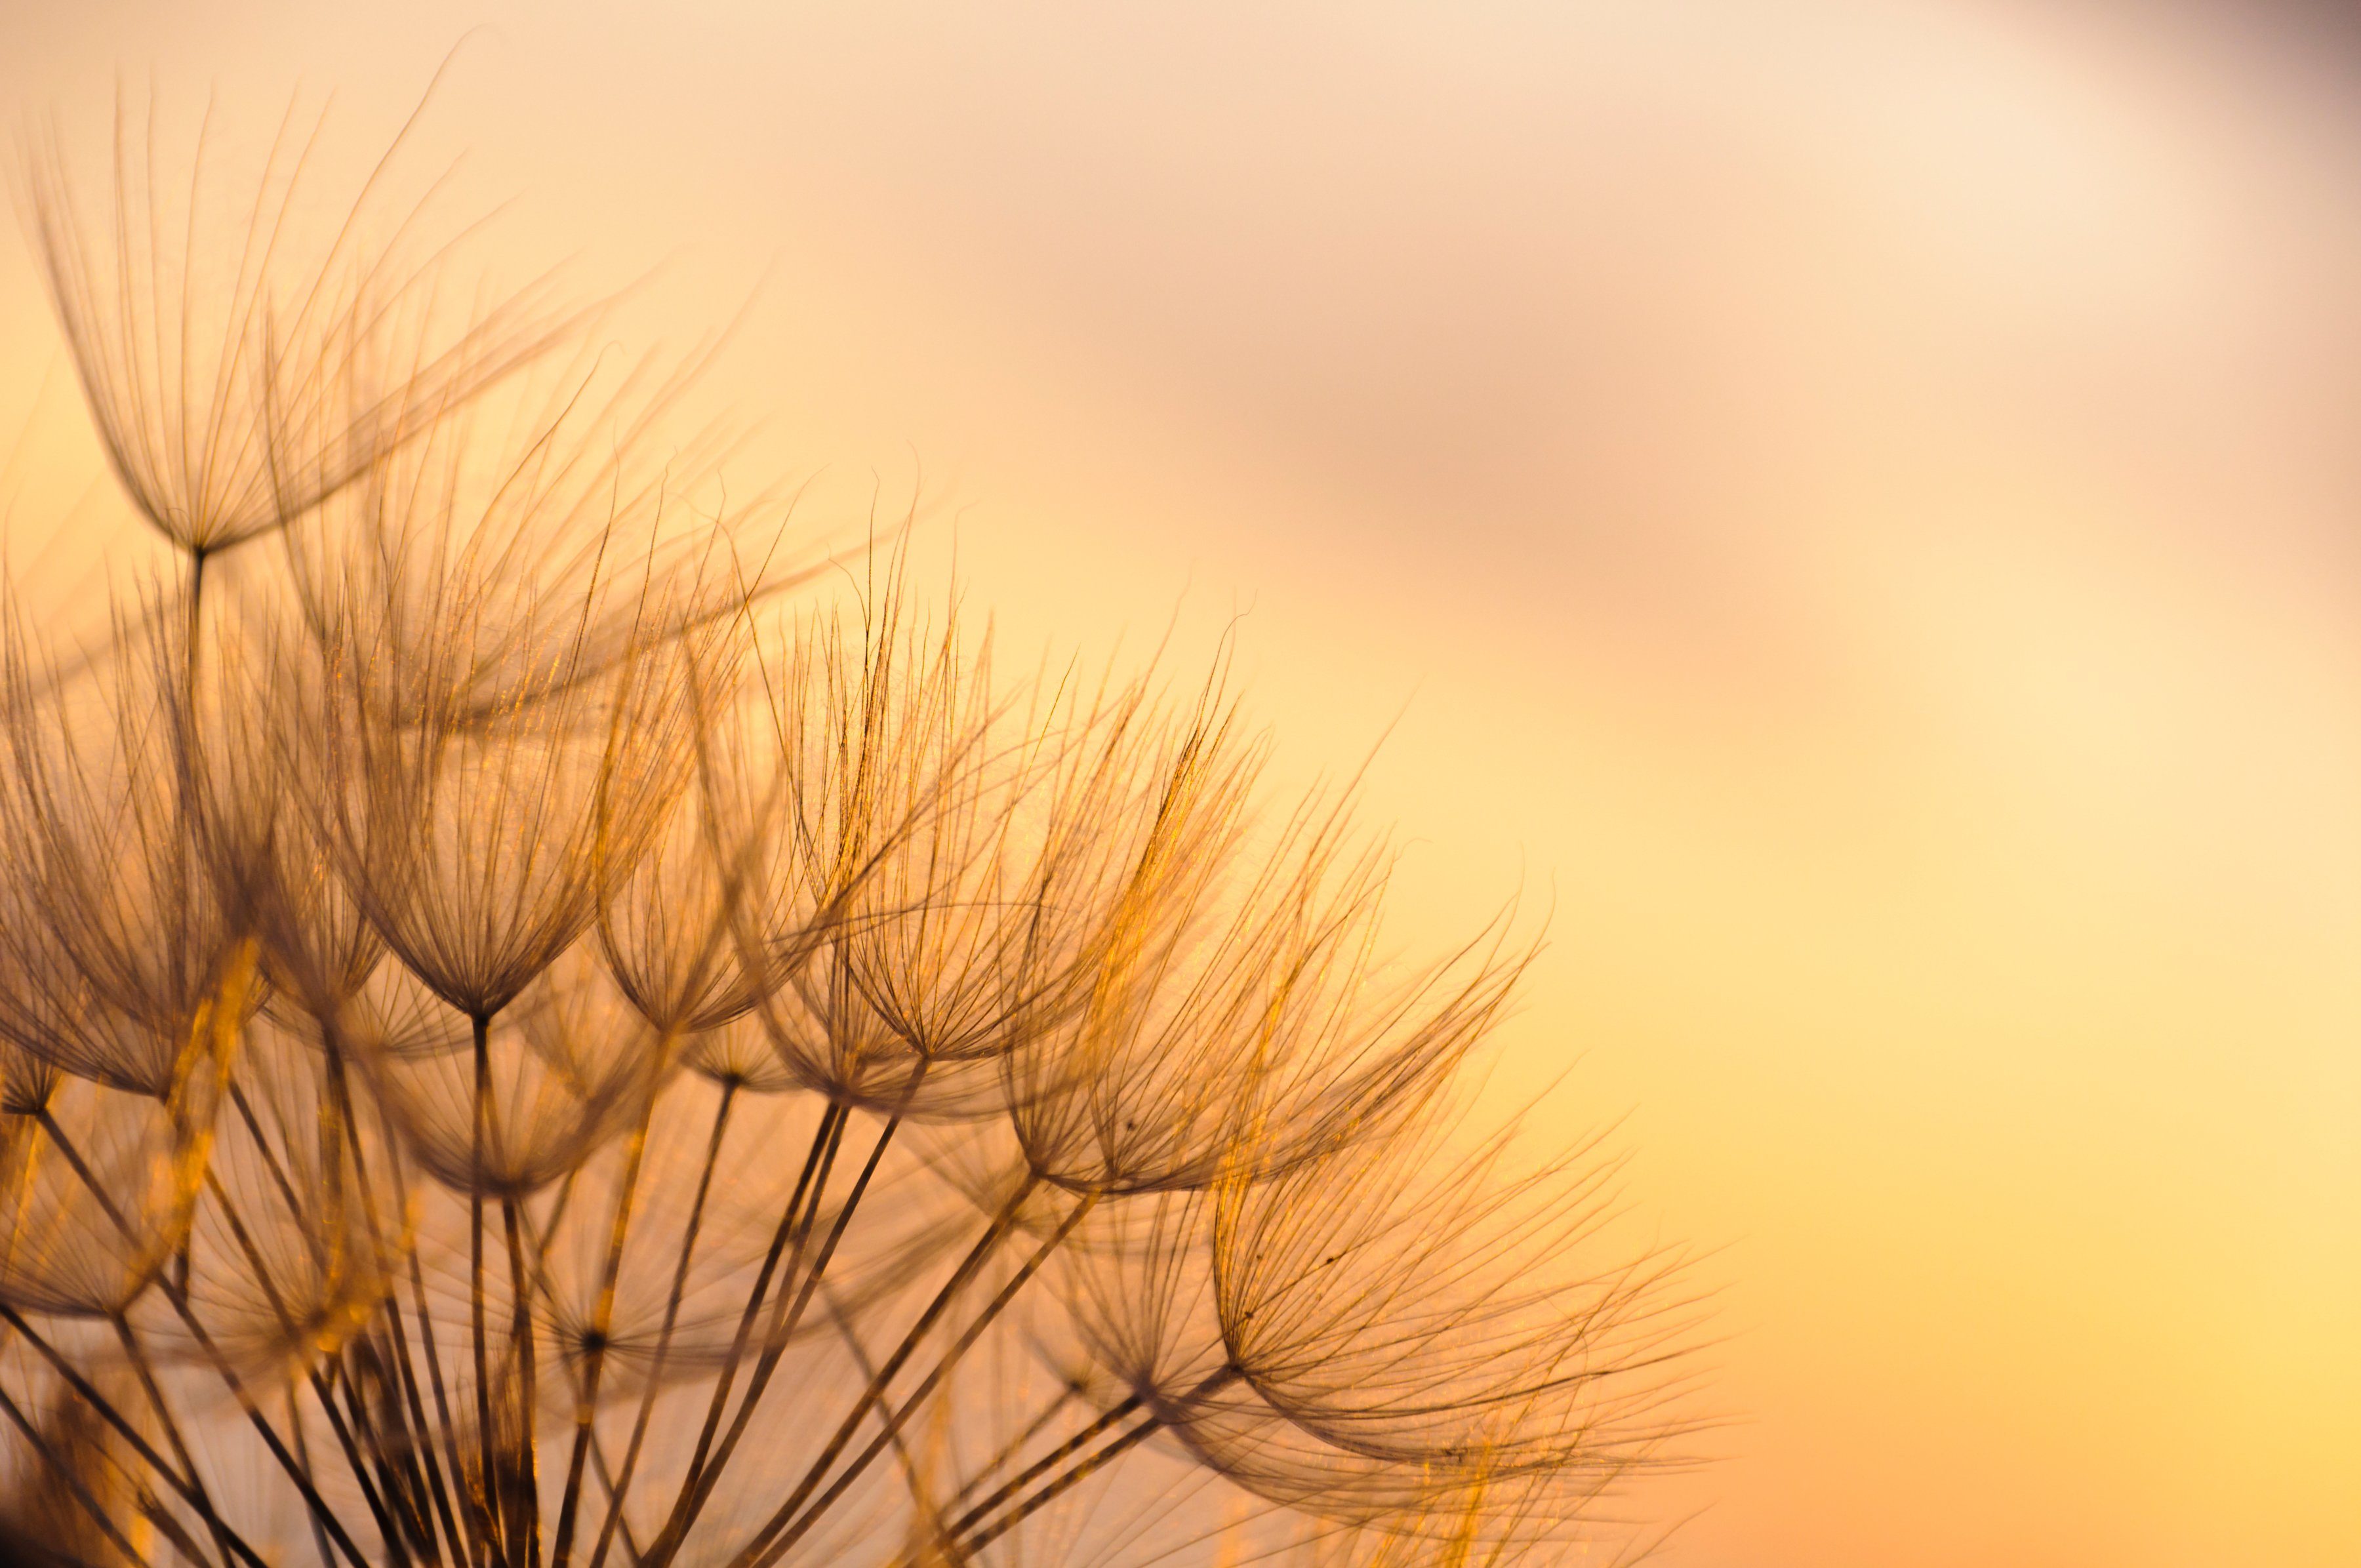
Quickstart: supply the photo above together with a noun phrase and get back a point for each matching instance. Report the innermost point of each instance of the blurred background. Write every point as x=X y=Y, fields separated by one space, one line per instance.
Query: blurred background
x=1857 y=505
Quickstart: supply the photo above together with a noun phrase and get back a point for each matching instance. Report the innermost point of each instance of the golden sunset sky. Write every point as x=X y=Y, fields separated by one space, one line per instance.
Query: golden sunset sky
x=1856 y=503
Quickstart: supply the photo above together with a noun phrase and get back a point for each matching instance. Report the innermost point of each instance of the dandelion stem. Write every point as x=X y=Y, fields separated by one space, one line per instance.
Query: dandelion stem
x=261 y=1270
x=1015 y=1445
x=783 y=1327
x=470 y=1499
x=795 y=1225
x=1113 y=1417
x=1062 y=1484
x=321 y=1387
x=867 y=1365
x=373 y=1494
x=526 y=1485
x=98 y=1402
x=199 y=1498
x=602 y=1324
x=487 y=1467
x=397 y=1335
x=876 y=1391
x=74 y=1482
x=303 y=1457
x=178 y=1296
x=673 y=1297
x=186 y=1486
x=756 y=1553
x=270 y=1163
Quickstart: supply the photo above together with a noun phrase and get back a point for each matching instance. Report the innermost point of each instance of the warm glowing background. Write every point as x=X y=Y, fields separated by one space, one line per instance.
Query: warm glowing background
x=1861 y=500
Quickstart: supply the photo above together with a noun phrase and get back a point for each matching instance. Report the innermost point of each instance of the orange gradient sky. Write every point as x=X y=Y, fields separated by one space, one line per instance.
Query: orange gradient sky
x=1861 y=500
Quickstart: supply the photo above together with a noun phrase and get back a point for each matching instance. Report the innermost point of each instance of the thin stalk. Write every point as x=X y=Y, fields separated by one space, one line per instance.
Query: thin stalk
x=912 y=1476
x=105 y=1409
x=277 y=1174
x=304 y=1456
x=153 y=1510
x=601 y=1322
x=548 y=1228
x=245 y=1398
x=287 y=1326
x=437 y=1493
x=179 y=1299
x=1046 y=1463
x=399 y=1336
x=261 y=1425
x=527 y=1486
x=598 y=1467
x=356 y=1431
x=83 y=1173
x=177 y=1296
x=200 y=1500
x=410 y=1457
x=479 y=1542
x=261 y=1271
x=790 y=1534
x=74 y=1484
x=245 y=1243
x=1219 y=1377
x=1015 y=1445
x=875 y=1392
x=671 y=1317
x=614 y=1499
x=196 y=626
x=99 y=1405
x=494 y=1522
x=795 y=1225
x=1058 y=1488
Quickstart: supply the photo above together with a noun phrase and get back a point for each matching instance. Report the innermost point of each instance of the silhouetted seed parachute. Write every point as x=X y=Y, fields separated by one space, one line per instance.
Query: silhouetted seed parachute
x=216 y=339
x=522 y=1042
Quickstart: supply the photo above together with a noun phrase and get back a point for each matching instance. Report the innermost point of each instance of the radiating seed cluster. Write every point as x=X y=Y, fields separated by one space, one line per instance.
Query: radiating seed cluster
x=530 y=1034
